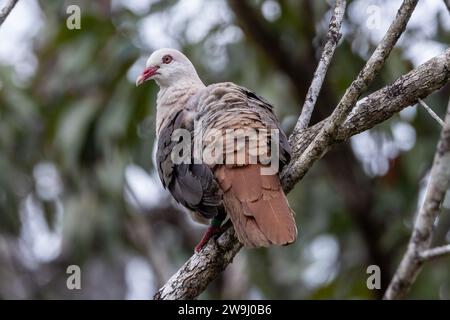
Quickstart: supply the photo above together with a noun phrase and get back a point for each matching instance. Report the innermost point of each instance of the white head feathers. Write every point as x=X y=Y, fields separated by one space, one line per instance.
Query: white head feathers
x=168 y=67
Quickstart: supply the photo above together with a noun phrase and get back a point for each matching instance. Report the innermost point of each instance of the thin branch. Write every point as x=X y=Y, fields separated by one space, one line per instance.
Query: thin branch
x=447 y=4
x=201 y=268
x=431 y=112
x=7 y=10
x=435 y=253
x=373 y=66
x=333 y=37
x=421 y=237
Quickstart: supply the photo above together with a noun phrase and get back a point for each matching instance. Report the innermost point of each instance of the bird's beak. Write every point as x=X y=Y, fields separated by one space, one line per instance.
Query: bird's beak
x=146 y=74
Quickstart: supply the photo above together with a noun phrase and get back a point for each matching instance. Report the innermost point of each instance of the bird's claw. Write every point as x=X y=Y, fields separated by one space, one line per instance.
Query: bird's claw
x=211 y=232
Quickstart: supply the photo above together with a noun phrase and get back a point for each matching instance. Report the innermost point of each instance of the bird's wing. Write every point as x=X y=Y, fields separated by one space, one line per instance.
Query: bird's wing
x=255 y=202
x=226 y=105
x=192 y=185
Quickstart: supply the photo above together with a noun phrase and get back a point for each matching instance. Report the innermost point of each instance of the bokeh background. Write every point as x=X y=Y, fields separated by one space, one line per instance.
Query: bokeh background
x=77 y=178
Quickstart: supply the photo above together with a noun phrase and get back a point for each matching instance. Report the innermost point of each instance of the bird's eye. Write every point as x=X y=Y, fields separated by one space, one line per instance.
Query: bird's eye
x=167 y=59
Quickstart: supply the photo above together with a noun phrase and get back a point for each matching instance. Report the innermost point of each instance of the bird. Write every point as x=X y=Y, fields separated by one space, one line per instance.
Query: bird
x=223 y=189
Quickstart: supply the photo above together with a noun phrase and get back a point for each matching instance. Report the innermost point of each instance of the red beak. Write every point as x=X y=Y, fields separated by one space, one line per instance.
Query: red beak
x=146 y=74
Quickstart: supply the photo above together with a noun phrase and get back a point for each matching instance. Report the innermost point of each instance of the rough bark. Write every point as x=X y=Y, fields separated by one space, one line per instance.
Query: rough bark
x=201 y=268
x=374 y=109
x=418 y=248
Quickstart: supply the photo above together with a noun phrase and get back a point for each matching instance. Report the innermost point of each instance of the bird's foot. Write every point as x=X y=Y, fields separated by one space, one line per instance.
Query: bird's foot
x=213 y=231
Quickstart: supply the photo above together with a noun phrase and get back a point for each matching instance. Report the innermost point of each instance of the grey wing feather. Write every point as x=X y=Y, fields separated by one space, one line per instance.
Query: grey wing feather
x=192 y=185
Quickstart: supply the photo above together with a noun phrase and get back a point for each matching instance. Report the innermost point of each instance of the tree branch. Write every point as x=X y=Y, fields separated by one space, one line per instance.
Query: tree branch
x=435 y=253
x=203 y=267
x=431 y=112
x=194 y=276
x=333 y=37
x=420 y=241
x=447 y=4
x=7 y=10
x=374 y=109
x=373 y=66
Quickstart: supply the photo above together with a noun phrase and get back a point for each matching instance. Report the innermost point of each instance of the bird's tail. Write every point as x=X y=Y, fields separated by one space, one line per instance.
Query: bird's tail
x=257 y=206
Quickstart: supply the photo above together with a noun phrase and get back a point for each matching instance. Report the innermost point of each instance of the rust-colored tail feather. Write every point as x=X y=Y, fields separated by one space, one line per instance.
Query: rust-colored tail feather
x=257 y=206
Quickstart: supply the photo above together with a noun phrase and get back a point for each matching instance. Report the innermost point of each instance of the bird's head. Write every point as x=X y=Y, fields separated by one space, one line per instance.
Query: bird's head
x=167 y=67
